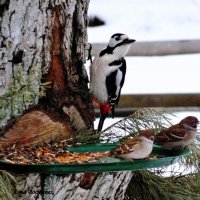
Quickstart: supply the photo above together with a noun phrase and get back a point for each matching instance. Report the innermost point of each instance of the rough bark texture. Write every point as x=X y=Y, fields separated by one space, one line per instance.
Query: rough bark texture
x=44 y=128
x=23 y=25
x=50 y=35
x=73 y=186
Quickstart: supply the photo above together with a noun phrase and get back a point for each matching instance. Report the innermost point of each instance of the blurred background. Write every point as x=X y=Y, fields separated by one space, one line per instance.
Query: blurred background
x=163 y=66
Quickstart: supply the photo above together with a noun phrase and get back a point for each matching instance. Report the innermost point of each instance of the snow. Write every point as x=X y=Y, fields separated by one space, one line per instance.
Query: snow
x=164 y=74
x=153 y=20
x=177 y=116
x=146 y=20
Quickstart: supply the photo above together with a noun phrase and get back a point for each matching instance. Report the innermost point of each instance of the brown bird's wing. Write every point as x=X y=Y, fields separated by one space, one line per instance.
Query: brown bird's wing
x=176 y=133
x=126 y=147
x=172 y=134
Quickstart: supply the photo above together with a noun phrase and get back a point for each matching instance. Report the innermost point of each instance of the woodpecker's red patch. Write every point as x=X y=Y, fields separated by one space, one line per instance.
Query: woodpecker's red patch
x=104 y=109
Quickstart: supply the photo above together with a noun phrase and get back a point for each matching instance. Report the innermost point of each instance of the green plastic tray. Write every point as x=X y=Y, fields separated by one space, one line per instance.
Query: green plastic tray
x=107 y=164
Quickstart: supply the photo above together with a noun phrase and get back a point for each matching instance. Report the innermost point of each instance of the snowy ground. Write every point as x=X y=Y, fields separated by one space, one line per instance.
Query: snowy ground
x=146 y=20
x=174 y=119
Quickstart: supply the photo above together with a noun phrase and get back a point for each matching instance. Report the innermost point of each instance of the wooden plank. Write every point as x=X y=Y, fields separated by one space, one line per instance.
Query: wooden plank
x=156 y=48
x=159 y=100
x=173 y=102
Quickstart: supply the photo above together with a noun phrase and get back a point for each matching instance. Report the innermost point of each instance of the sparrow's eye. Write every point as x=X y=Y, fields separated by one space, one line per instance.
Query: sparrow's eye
x=152 y=138
x=194 y=125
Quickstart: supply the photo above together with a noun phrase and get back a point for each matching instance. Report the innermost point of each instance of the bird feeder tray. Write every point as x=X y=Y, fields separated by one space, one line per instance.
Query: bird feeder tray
x=160 y=157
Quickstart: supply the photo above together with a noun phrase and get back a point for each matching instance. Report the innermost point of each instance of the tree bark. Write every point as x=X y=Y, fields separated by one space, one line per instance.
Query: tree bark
x=33 y=128
x=73 y=186
x=50 y=36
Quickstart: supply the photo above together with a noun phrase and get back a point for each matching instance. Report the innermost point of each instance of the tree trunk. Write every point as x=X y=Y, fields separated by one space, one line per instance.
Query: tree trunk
x=73 y=186
x=49 y=36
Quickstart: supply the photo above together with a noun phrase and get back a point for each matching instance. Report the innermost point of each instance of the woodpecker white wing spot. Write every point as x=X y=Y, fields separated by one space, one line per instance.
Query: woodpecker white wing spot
x=118 y=81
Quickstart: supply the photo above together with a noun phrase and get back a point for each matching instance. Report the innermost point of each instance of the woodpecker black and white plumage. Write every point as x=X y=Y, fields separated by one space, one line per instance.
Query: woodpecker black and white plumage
x=107 y=75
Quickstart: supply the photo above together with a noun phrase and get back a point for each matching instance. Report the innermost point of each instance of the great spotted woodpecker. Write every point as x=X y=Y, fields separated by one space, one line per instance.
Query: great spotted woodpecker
x=107 y=75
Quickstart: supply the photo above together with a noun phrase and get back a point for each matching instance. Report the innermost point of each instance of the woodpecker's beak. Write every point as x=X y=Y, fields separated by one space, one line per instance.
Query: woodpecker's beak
x=128 y=41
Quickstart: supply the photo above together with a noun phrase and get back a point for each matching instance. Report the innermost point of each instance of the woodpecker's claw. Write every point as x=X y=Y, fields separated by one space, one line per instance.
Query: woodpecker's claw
x=89 y=53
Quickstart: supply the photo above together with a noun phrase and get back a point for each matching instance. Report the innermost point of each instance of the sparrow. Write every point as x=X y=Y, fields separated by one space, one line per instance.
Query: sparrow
x=180 y=135
x=138 y=147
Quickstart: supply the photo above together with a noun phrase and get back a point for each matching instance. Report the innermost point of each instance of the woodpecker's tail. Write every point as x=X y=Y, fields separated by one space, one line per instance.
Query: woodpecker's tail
x=104 y=110
x=101 y=122
x=113 y=111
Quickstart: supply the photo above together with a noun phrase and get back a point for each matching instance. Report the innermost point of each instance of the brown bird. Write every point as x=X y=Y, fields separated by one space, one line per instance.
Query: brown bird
x=138 y=147
x=179 y=135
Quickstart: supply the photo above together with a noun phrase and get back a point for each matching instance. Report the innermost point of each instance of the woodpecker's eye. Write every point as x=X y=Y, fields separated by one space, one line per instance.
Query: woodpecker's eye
x=117 y=38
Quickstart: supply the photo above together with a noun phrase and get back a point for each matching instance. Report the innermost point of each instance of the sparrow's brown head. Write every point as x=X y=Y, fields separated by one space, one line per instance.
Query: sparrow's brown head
x=190 y=121
x=148 y=134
